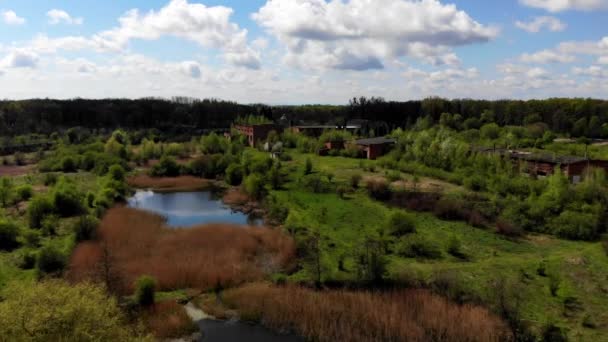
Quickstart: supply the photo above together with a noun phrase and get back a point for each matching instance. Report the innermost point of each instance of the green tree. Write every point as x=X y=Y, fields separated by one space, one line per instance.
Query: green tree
x=9 y=232
x=57 y=311
x=6 y=191
x=254 y=186
x=145 y=291
x=400 y=224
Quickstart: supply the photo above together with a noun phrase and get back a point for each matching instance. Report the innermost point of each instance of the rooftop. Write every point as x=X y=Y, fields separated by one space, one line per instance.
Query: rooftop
x=375 y=141
x=535 y=157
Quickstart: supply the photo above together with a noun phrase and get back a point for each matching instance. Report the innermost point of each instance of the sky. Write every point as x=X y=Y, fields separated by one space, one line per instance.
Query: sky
x=303 y=51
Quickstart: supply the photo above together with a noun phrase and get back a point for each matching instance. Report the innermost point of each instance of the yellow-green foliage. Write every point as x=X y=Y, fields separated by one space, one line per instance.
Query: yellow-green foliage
x=56 y=311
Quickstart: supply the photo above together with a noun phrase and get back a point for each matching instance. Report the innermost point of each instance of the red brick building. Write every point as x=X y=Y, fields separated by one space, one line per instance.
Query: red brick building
x=375 y=147
x=256 y=133
x=537 y=164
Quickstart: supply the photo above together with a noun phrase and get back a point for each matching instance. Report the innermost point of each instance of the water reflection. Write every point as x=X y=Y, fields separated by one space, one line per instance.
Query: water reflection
x=185 y=209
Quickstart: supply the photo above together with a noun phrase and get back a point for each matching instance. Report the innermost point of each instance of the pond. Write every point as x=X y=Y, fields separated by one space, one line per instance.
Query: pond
x=187 y=209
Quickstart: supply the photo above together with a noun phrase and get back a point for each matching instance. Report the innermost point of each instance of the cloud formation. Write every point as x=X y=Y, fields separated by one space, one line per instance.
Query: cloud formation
x=564 y=5
x=11 y=18
x=57 y=16
x=344 y=35
x=538 y=23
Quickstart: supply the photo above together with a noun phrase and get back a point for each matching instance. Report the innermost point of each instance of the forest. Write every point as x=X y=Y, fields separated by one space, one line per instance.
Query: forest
x=573 y=117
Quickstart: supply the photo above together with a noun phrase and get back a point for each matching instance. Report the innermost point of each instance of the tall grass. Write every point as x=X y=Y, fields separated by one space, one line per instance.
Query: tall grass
x=133 y=243
x=337 y=315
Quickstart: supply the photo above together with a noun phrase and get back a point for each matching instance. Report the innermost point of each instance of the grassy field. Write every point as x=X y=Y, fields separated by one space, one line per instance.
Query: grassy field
x=557 y=281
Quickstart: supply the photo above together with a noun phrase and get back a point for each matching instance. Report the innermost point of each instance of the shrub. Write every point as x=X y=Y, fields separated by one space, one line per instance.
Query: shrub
x=575 y=225
x=68 y=164
x=234 y=174
x=452 y=209
x=50 y=261
x=400 y=224
x=67 y=200
x=58 y=311
x=117 y=173
x=419 y=247
x=24 y=192
x=455 y=248
x=85 y=227
x=308 y=166
x=50 y=179
x=341 y=191
x=31 y=238
x=39 y=207
x=27 y=260
x=605 y=245
x=315 y=183
x=145 y=290
x=355 y=180
x=378 y=189
x=166 y=167
x=553 y=333
x=508 y=229
x=254 y=186
x=8 y=235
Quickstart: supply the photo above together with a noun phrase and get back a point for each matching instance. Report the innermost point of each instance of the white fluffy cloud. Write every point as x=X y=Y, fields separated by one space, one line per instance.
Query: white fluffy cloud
x=547 y=56
x=57 y=16
x=19 y=58
x=592 y=71
x=565 y=52
x=208 y=26
x=362 y=34
x=563 y=5
x=537 y=24
x=11 y=18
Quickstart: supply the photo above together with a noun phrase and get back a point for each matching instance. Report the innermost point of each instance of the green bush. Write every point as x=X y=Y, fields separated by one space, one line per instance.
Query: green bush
x=234 y=174
x=355 y=180
x=400 y=224
x=418 y=247
x=455 y=248
x=315 y=183
x=50 y=179
x=117 y=173
x=27 y=260
x=50 y=261
x=9 y=232
x=145 y=291
x=39 y=207
x=24 y=192
x=166 y=167
x=67 y=200
x=254 y=186
x=308 y=166
x=68 y=164
x=575 y=225
x=85 y=228
x=31 y=238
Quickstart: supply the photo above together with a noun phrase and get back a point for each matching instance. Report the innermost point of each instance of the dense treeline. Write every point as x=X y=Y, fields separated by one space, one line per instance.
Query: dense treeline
x=576 y=117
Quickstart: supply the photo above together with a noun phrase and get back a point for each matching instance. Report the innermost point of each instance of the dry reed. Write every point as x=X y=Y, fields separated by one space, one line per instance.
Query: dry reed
x=337 y=315
x=167 y=320
x=133 y=243
x=182 y=183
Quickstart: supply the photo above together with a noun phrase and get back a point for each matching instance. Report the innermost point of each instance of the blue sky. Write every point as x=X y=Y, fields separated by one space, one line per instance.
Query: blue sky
x=304 y=51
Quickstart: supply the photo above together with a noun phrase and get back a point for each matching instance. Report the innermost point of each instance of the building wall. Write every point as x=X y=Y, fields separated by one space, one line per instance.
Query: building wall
x=257 y=132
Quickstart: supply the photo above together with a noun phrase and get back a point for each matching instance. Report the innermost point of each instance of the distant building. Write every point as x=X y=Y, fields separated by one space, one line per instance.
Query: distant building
x=317 y=130
x=375 y=147
x=257 y=133
x=545 y=164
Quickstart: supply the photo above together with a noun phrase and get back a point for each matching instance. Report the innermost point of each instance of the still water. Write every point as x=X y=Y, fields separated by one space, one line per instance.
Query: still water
x=187 y=209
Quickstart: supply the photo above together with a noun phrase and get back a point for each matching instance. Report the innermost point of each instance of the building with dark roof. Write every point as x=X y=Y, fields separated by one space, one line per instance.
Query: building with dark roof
x=375 y=147
x=257 y=133
x=544 y=164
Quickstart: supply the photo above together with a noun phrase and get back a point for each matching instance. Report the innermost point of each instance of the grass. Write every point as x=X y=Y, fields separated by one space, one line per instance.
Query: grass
x=135 y=243
x=581 y=267
x=337 y=315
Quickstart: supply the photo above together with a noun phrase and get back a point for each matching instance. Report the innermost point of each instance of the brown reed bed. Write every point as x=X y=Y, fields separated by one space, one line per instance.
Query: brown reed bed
x=181 y=183
x=132 y=243
x=340 y=315
x=167 y=320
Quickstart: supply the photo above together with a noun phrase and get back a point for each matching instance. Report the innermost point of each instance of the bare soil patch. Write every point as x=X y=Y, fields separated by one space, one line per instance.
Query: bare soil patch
x=182 y=183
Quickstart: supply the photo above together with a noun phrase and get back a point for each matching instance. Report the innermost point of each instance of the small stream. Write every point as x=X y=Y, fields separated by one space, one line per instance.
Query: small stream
x=214 y=330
